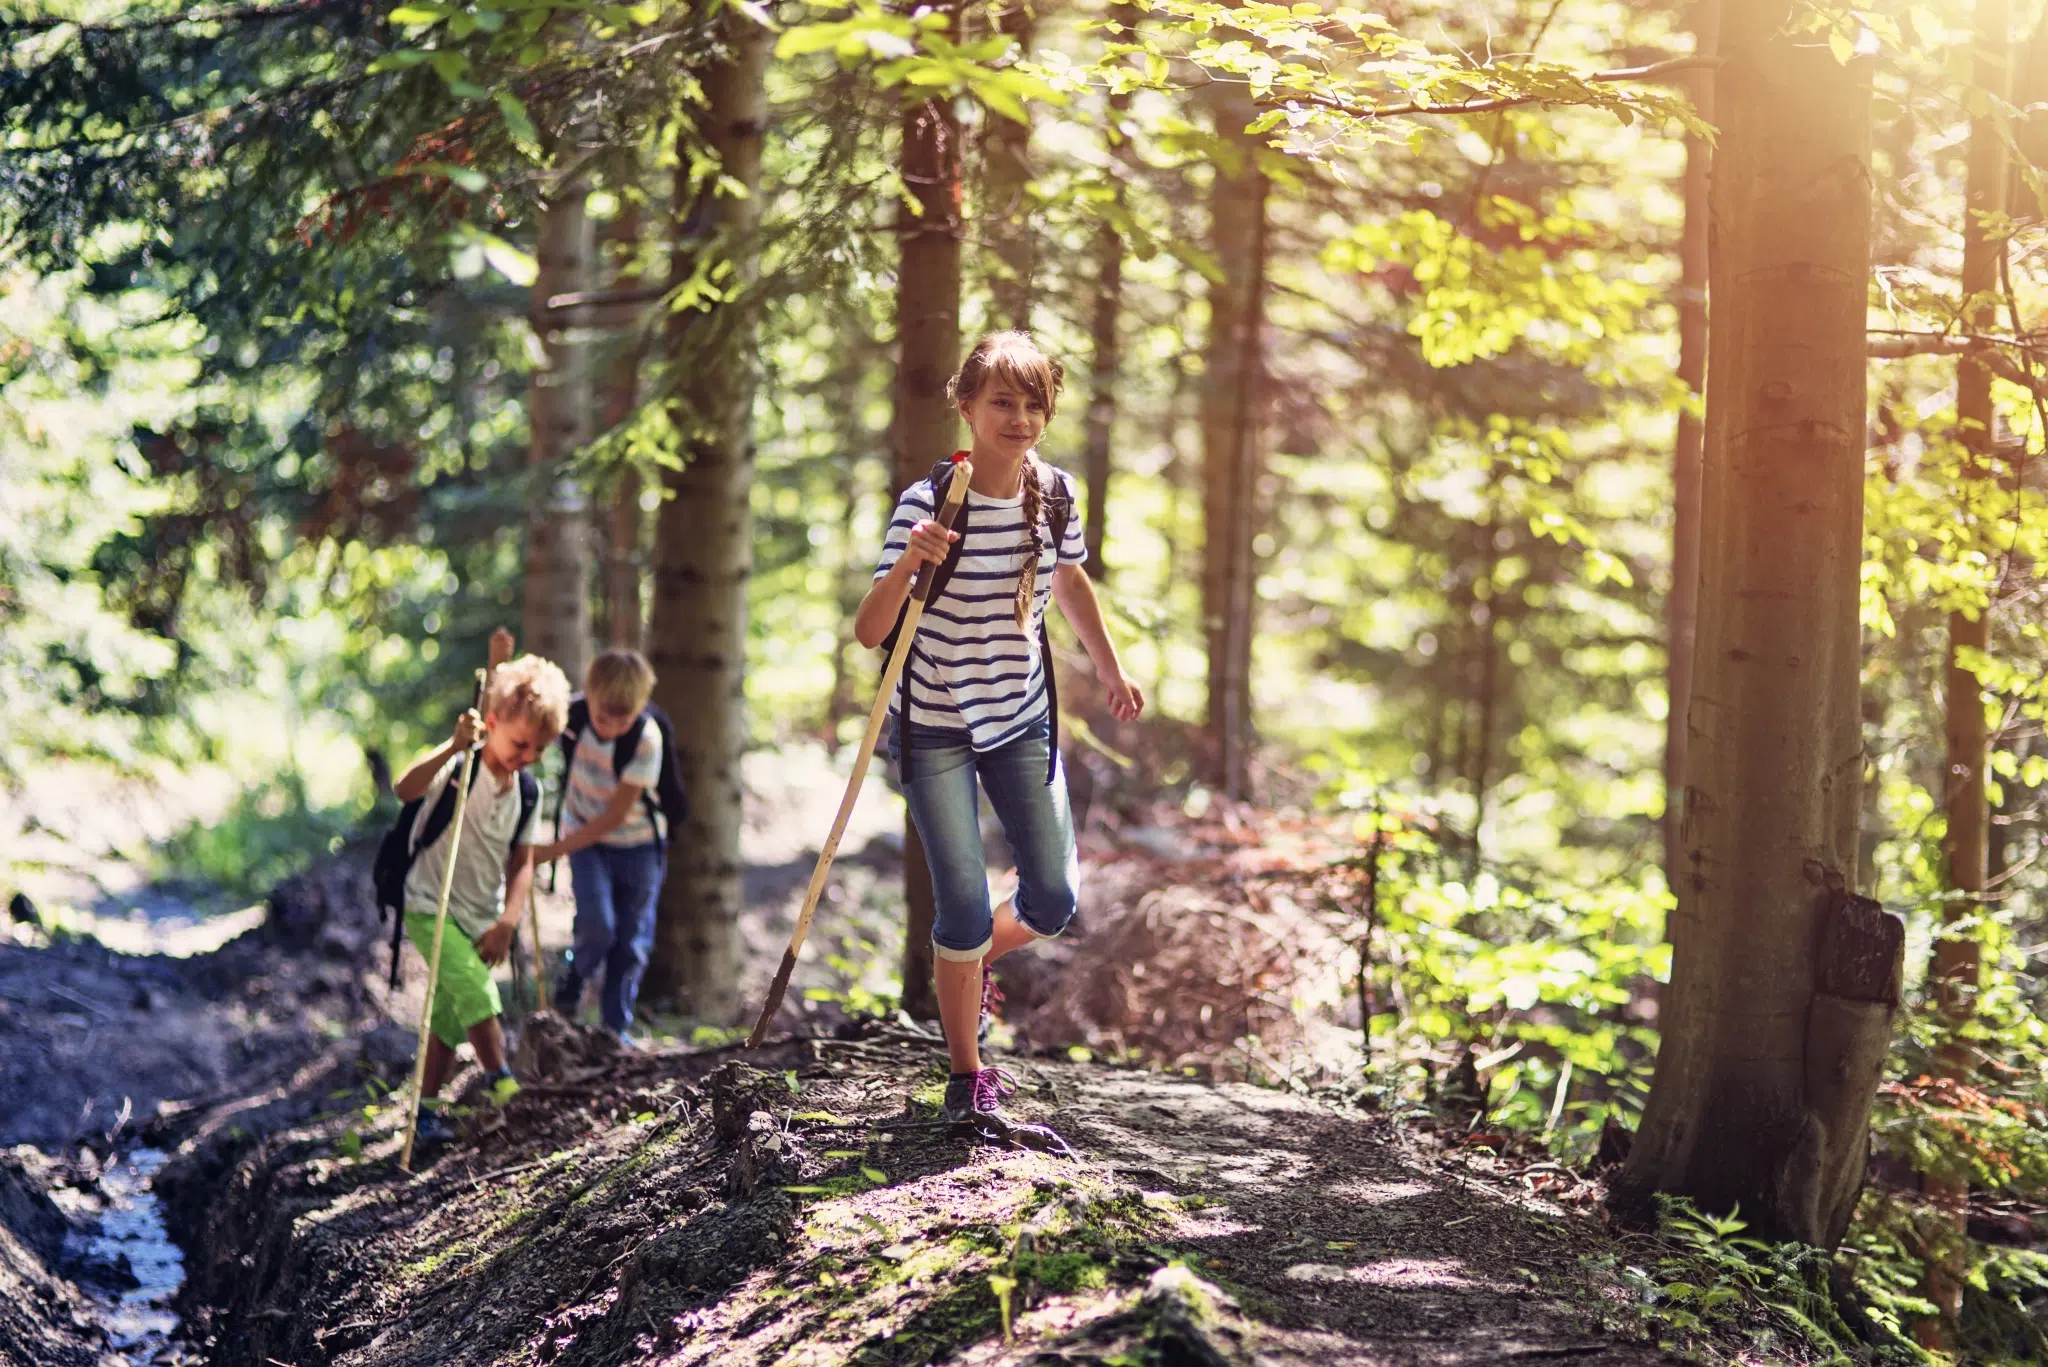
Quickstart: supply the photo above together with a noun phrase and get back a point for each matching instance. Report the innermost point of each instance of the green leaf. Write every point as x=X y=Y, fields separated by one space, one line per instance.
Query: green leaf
x=516 y=120
x=421 y=13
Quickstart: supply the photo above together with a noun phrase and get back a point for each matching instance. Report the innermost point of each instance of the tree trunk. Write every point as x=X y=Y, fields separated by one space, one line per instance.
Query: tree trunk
x=704 y=542
x=1006 y=161
x=1782 y=992
x=1105 y=338
x=555 y=618
x=928 y=348
x=624 y=612
x=1685 y=456
x=1957 y=954
x=1231 y=399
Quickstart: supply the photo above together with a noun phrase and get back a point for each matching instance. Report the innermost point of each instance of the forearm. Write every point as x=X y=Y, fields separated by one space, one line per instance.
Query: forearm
x=1076 y=597
x=604 y=823
x=518 y=880
x=877 y=612
x=415 y=781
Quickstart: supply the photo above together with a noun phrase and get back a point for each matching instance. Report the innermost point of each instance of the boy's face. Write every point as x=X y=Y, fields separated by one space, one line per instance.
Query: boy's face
x=608 y=723
x=512 y=743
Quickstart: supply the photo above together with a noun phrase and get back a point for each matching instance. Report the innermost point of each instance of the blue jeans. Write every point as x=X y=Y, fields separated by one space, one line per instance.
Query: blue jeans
x=1036 y=821
x=616 y=889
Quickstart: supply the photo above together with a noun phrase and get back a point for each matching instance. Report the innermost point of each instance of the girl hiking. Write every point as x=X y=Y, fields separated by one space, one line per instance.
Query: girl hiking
x=977 y=699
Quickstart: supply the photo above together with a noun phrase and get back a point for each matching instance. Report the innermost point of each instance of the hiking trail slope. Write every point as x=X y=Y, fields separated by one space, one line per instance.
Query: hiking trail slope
x=682 y=1207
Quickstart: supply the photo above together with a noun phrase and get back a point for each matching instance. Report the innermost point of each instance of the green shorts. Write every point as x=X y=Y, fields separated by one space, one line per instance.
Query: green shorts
x=464 y=995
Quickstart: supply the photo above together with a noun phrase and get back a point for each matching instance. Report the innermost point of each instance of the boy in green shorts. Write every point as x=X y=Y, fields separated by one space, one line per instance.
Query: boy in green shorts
x=525 y=709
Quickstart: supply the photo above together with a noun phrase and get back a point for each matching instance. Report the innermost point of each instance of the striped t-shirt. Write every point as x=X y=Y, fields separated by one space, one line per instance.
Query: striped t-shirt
x=971 y=667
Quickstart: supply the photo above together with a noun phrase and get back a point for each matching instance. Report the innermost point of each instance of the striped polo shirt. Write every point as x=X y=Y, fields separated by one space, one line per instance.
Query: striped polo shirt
x=971 y=667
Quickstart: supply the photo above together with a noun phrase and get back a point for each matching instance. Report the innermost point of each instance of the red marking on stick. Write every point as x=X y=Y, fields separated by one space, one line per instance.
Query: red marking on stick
x=959 y=456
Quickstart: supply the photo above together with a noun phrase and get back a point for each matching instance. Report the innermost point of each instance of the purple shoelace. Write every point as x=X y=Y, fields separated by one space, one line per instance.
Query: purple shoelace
x=991 y=1085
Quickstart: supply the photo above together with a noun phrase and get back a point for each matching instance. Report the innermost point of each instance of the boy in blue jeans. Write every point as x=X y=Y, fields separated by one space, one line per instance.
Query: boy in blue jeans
x=608 y=828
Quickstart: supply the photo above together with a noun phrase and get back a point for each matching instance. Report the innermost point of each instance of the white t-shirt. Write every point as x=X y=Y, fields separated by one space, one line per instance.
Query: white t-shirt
x=971 y=667
x=591 y=785
x=490 y=829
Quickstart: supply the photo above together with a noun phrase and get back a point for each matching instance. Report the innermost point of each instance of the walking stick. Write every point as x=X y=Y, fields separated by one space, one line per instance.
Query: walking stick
x=540 y=981
x=956 y=494
x=419 y=1064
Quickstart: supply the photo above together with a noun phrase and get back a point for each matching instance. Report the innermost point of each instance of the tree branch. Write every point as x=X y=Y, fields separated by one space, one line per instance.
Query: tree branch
x=1651 y=72
x=240 y=15
x=1986 y=351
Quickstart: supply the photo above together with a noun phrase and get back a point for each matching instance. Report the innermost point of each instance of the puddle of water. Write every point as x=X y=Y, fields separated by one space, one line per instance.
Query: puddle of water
x=138 y=1321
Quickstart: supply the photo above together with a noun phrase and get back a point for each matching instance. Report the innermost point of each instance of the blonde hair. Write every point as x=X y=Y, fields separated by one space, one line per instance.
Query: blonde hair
x=619 y=680
x=1012 y=358
x=531 y=688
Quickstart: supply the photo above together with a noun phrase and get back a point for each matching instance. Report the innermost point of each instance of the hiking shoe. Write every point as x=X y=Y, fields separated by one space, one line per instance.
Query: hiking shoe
x=977 y=1098
x=432 y=1129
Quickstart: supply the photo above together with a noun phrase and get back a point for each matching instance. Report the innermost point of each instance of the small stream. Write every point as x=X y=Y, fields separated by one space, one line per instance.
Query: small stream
x=131 y=1236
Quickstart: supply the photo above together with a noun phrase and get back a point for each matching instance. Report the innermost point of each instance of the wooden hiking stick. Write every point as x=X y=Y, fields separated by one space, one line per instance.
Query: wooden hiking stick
x=956 y=494
x=419 y=1063
x=540 y=982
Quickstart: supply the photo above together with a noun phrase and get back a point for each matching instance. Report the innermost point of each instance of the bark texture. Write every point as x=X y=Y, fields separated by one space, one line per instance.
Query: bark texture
x=704 y=541
x=1958 y=956
x=1683 y=610
x=927 y=425
x=1231 y=404
x=1105 y=335
x=1006 y=176
x=555 y=616
x=1783 y=987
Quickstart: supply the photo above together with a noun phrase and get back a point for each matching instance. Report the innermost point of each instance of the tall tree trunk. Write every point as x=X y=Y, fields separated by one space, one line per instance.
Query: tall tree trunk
x=1231 y=400
x=704 y=540
x=624 y=613
x=1106 y=348
x=928 y=348
x=1957 y=954
x=1685 y=455
x=555 y=619
x=1782 y=994
x=1006 y=160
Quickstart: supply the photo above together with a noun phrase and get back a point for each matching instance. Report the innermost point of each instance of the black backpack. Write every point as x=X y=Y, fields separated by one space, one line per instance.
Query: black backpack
x=1059 y=510
x=398 y=852
x=667 y=802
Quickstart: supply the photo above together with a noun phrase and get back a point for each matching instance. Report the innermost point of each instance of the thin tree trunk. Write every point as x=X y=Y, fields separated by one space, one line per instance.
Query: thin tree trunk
x=1957 y=954
x=1231 y=395
x=624 y=622
x=705 y=539
x=555 y=619
x=927 y=426
x=1487 y=703
x=623 y=611
x=1778 y=1017
x=1105 y=337
x=1685 y=456
x=1006 y=157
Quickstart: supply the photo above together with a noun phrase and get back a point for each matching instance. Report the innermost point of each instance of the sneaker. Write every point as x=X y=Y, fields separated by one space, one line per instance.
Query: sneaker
x=504 y=1087
x=432 y=1129
x=977 y=1098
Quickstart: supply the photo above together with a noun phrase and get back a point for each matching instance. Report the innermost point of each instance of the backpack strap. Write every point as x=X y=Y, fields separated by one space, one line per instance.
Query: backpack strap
x=572 y=732
x=443 y=811
x=937 y=481
x=627 y=747
x=529 y=798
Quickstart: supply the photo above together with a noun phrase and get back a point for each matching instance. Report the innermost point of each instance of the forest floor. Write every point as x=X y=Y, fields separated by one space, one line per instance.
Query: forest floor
x=796 y=1204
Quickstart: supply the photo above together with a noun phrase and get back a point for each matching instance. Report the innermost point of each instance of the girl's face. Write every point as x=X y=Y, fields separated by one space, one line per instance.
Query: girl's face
x=1004 y=421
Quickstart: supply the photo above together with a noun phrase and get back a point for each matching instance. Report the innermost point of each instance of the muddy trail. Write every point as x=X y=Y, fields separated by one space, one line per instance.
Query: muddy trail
x=800 y=1204
x=795 y=1204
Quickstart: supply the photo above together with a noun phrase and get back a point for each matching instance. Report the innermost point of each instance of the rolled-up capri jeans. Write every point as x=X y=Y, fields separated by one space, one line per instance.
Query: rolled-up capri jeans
x=1036 y=820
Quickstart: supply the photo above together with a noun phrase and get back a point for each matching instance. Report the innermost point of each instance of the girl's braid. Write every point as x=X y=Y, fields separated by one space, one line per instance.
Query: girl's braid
x=1034 y=510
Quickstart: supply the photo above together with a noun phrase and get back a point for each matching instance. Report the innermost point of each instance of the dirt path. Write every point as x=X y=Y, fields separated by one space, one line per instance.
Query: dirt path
x=673 y=1207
